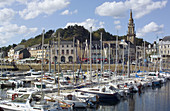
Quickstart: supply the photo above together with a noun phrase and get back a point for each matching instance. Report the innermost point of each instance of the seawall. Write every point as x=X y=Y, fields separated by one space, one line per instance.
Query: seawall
x=26 y=67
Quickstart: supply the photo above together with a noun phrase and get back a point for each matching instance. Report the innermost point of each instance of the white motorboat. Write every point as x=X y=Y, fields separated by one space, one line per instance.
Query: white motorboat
x=86 y=96
x=69 y=99
x=104 y=93
x=28 y=102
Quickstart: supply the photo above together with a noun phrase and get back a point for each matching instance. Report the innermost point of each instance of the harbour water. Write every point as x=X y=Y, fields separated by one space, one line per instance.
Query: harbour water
x=149 y=99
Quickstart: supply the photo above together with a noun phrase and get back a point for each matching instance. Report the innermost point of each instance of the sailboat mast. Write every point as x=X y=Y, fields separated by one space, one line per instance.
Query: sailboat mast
x=109 y=60
x=42 y=63
x=49 y=54
x=160 y=58
x=103 y=56
x=1 y=60
x=54 y=46
x=123 y=58
x=144 y=57
x=90 y=54
x=101 y=53
x=58 y=63
x=81 y=63
x=129 y=59
x=116 y=55
x=73 y=57
x=97 y=66
x=136 y=61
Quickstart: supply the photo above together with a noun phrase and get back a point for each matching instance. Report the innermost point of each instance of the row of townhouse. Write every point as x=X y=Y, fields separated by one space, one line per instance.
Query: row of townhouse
x=17 y=53
x=159 y=52
x=79 y=51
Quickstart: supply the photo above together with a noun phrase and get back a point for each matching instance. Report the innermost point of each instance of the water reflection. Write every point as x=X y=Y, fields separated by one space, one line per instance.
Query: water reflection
x=149 y=99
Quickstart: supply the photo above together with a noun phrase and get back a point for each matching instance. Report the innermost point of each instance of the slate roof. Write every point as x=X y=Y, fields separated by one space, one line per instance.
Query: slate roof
x=166 y=38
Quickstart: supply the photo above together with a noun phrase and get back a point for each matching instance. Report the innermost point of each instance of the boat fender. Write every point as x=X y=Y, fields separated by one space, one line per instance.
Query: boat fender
x=64 y=105
x=13 y=84
x=14 y=96
x=97 y=98
x=1 y=109
x=73 y=105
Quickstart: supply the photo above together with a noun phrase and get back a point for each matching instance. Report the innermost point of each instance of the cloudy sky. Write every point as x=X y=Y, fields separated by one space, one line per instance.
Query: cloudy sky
x=23 y=19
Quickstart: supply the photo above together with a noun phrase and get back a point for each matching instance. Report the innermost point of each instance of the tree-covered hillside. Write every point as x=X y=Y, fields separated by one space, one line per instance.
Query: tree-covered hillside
x=67 y=34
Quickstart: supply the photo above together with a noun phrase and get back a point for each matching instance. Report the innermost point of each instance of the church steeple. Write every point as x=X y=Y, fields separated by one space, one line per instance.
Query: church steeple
x=131 y=30
x=131 y=18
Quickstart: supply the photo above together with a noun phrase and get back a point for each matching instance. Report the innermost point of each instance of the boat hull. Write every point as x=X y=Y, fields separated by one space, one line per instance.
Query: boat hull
x=103 y=97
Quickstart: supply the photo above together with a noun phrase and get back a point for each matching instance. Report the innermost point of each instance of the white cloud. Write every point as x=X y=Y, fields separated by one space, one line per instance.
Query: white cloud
x=88 y=23
x=115 y=9
x=4 y=3
x=118 y=27
x=38 y=7
x=22 y=1
x=116 y=22
x=119 y=9
x=101 y=24
x=6 y=15
x=149 y=28
x=67 y=12
x=8 y=31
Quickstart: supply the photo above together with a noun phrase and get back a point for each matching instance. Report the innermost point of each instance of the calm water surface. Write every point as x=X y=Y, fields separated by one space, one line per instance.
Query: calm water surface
x=150 y=99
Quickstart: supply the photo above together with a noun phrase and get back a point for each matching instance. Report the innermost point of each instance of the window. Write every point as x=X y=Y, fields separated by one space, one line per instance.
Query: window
x=62 y=45
x=62 y=51
x=57 y=51
x=67 y=45
x=72 y=51
x=67 y=51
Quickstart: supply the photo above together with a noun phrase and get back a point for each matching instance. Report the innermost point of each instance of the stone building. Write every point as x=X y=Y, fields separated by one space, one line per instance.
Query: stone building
x=131 y=35
x=164 y=52
x=12 y=52
x=152 y=49
x=66 y=51
x=36 y=51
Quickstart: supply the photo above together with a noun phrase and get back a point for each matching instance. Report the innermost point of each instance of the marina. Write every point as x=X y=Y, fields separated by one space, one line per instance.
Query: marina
x=82 y=66
x=138 y=93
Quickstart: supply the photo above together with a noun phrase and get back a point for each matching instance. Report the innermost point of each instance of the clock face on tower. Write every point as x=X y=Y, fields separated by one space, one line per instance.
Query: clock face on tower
x=130 y=38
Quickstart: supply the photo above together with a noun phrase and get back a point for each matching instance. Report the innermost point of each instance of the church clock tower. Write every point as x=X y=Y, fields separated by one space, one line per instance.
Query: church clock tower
x=131 y=30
